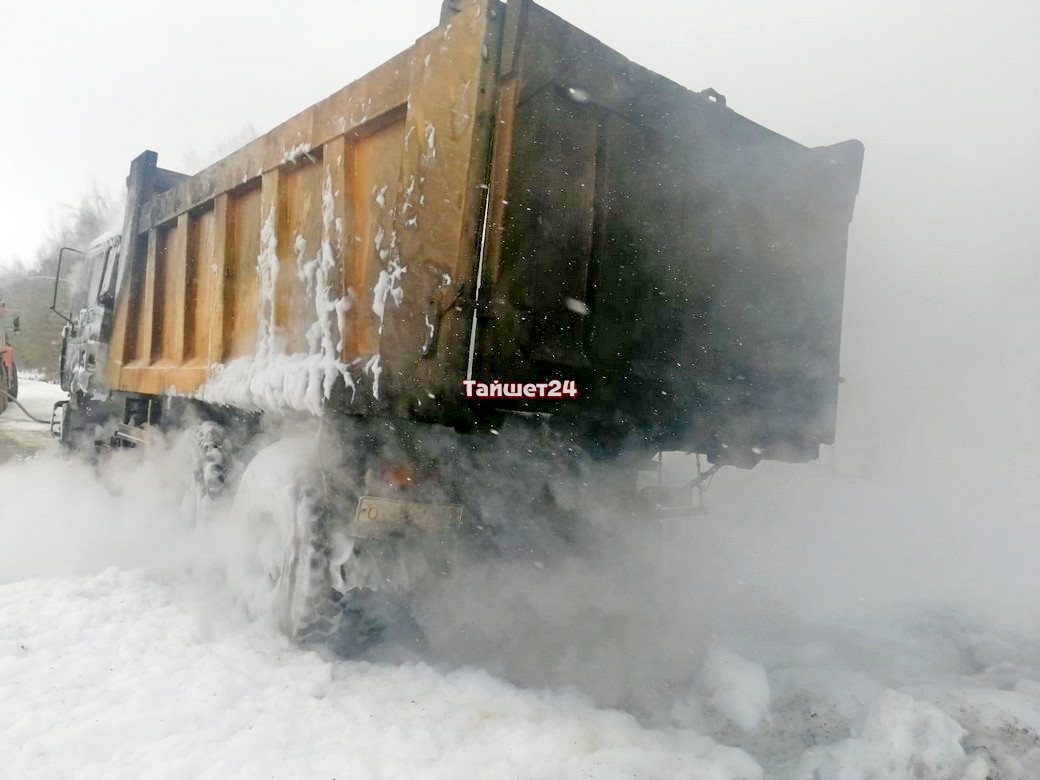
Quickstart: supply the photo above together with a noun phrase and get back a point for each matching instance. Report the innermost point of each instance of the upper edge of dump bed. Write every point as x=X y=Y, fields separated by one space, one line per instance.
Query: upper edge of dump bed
x=373 y=95
x=584 y=55
x=557 y=54
x=361 y=103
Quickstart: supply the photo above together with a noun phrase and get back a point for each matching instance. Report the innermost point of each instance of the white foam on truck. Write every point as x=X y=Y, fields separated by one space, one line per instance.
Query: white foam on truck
x=274 y=379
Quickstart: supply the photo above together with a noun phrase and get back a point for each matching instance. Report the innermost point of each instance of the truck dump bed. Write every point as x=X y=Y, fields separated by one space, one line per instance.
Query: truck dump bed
x=507 y=199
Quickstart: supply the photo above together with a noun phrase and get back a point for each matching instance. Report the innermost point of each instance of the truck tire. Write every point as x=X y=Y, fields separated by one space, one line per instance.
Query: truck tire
x=281 y=567
x=5 y=387
x=316 y=584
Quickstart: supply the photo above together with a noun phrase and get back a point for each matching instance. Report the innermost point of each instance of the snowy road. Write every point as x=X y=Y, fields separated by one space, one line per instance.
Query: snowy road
x=20 y=437
x=724 y=650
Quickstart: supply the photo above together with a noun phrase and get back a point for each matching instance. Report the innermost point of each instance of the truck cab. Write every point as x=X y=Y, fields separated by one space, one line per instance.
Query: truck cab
x=84 y=341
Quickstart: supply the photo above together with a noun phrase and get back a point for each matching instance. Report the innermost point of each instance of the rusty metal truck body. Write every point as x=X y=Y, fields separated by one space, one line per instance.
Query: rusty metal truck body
x=508 y=199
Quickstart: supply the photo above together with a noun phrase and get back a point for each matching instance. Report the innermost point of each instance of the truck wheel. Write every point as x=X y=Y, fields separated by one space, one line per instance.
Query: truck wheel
x=281 y=570
x=318 y=585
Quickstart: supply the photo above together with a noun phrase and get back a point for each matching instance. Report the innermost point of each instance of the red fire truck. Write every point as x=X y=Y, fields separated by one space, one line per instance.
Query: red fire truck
x=8 y=369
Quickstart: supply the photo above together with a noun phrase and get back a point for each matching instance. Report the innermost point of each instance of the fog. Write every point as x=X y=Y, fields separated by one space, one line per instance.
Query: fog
x=928 y=503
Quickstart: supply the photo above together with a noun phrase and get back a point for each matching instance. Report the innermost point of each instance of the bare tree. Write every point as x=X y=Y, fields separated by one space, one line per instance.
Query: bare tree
x=77 y=226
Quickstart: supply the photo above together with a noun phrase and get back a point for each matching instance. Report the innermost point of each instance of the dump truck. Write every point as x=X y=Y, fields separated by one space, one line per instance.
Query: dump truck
x=507 y=259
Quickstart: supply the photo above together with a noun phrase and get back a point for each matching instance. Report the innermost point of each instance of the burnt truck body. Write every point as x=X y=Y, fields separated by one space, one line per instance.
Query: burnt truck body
x=508 y=199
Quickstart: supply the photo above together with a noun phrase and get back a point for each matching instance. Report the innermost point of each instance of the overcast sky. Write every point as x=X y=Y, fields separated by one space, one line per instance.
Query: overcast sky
x=943 y=262
x=87 y=86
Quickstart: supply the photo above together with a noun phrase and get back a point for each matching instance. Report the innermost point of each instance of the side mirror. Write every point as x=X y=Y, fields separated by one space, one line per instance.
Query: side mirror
x=57 y=278
x=17 y=325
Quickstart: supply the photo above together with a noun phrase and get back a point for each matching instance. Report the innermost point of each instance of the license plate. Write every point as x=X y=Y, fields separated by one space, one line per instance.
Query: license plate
x=382 y=515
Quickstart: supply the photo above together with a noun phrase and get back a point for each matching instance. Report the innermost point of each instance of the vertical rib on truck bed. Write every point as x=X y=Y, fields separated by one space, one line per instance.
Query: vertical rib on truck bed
x=277 y=274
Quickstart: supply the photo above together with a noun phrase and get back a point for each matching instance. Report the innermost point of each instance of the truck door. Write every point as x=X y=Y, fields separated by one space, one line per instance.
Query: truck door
x=84 y=347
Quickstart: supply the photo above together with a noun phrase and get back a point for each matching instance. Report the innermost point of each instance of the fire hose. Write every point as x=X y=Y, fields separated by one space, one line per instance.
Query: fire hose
x=17 y=403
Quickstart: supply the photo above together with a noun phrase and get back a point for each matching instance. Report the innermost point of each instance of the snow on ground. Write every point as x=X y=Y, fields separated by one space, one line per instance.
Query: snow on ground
x=20 y=437
x=125 y=674
x=784 y=636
